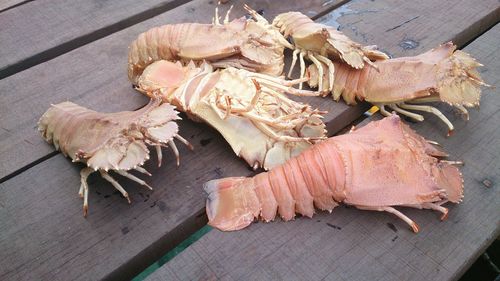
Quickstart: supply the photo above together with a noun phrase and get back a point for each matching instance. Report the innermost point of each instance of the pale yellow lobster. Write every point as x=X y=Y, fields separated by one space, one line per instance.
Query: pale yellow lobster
x=111 y=141
x=245 y=100
x=443 y=74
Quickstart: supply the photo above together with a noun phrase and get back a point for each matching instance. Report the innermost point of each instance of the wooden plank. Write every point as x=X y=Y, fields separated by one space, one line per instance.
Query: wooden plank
x=94 y=76
x=100 y=68
x=66 y=245
x=43 y=233
x=10 y=4
x=351 y=244
x=59 y=26
x=412 y=27
x=39 y=30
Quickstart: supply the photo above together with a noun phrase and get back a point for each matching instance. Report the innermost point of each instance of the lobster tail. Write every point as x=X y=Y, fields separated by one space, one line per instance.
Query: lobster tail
x=378 y=167
x=231 y=203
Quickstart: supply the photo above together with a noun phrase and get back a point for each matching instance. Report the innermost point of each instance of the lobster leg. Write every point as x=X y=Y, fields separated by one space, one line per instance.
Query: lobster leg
x=277 y=79
x=294 y=60
x=184 y=141
x=158 y=152
x=433 y=110
x=216 y=19
x=331 y=71
x=432 y=206
x=84 y=188
x=391 y=210
x=109 y=178
x=142 y=170
x=290 y=90
x=320 y=70
x=270 y=133
x=412 y=115
x=382 y=110
x=134 y=178
x=464 y=111
x=302 y=67
x=226 y=18
x=176 y=151
x=457 y=163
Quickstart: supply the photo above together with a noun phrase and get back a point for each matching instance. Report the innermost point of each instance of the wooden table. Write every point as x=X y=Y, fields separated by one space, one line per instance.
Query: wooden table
x=77 y=50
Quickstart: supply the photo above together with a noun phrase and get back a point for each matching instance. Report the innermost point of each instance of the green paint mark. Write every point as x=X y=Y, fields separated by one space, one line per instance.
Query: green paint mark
x=174 y=252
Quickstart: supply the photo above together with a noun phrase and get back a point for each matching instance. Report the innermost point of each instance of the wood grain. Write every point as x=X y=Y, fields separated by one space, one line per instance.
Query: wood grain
x=10 y=4
x=41 y=30
x=350 y=244
x=43 y=232
x=95 y=76
x=44 y=235
x=414 y=27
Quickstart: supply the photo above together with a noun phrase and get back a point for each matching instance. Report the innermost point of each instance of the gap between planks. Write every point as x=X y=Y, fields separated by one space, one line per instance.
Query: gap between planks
x=7 y=5
x=84 y=39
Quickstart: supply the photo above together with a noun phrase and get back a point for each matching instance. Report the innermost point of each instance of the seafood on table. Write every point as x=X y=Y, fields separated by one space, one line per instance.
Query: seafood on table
x=251 y=44
x=378 y=167
x=111 y=141
x=250 y=110
x=322 y=43
x=443 y=74
x=226 y=75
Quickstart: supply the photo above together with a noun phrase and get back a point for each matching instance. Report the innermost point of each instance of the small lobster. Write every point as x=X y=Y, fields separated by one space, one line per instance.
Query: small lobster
x=111 y=141
x=251 y=44
x=376 y=167
x=245 y=102
x=249 y=109
x=442 y=74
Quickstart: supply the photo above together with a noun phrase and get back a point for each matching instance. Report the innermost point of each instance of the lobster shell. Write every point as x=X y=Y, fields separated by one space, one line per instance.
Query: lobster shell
x=110 y=141
x=376 y=167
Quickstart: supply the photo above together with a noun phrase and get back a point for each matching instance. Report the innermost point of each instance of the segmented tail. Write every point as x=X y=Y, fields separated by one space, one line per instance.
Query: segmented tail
x=233 y=203
x=381 y=165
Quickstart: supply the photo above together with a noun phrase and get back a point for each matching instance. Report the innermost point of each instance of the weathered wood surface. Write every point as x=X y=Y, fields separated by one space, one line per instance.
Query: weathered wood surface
x=43 y=233
x=9 y=4
x=41 y=30
x=351 y=244
x=412 y=26
x=95 y=76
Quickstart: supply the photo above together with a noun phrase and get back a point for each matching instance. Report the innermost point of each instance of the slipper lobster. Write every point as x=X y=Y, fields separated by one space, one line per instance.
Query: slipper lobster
x=249 y=109
x=245 y=101
x=251 y=44
x=443 y=74
x=321 y=43
x=111 y=141
x=376 y=167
